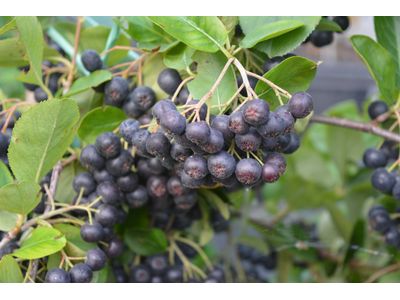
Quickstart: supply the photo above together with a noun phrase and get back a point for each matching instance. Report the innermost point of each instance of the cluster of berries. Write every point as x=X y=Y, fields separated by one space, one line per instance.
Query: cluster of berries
x=321 y=38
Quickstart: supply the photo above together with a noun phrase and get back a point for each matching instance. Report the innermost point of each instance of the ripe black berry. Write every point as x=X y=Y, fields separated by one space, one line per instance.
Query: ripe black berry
x=128 y=128
x=128 y=183
x=190 y=182
x=288 y=120
x=268 y=143
x=221 y=165
x=202 y=112
x=109 y=192
x=180 y=153
x=108 y=145
x=40 y=95
x=343 y=22
x=283 y=143
x=174 y=275
x=183 y=95
x=196 y=166
x=249 y=141
x=157 y=186
x=321 y=38
x=215 y=143
x=198 y=132
x=96 y=259
x=3 y=144
x=81 y=273
x=169 y=80
x=300 y=105
x=221 y=123
x=277 y=159
x=391 y=149
x=157 y=263
x=252 y=80
x=92 y=233
x=382 y=180
x=274 y=127
x=271 y=63
x=377 y=108
x=91 y=159
x=162 y=107
x=113 y=249
x=107 y=215
x=270 y=172
x=392 y=236
x=57 y=275
x=237 y=124
x=294 y=143
x=138 y=197
x=158 y=144
x=130 y=108
x=140 y=274
x=374 y=158
x=116 y=90
x=121 y=164
x=186 y=201
x=84 y=181
x=256 y=112
x=155 y=166
x=175 y=187
x=103 y=175
x=226 y=182
x=144 y=97
x=91 y=60
x=173 y=122
x=248 y=171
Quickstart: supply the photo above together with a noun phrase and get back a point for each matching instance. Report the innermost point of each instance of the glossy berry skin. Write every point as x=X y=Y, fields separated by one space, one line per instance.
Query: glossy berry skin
x=157 y=186
x=391 y=149
x=140 y=274
x=202 y=112
x=157 y=263
x=121 y=164
x=343 y=22
x=96 y=259
x=138 y=197
x=215 y=143
x=158 y=144
x=270 y=173
x=145 y=119
x=226 y=182
x=217 y=273
x=198 y=132
x=283 y=143
x=176 y=188
x=374 y=158
x=84 y=181
x=144 y=97
x=288 y=120
x=380 y=221
x=116 y=90
x=91 y=159
x=178 y=167
x=80 y=273
x=174 y=275
x=190 y=182
x=182 y=140
x=256 y=112
x=139 y=139
x=294 y=143
x=221 y=123
x=108 y=145
x=57 y=275
x=277 y=159
x=180 y=153
x=221 y=165
x=392 y=236
x=129 y=107
x=40 y=95
x=281 y=108
x=169 y=80
x=252 y=80
x=268 y=143
x=377 y=108
x=114 y=248
x=382 y=180
x=103 y=175
x=173 y=122
x=128 y=128
x=128 y=182
x=249 y=141
x=92 y=198
x=186 y=201
x=274 y=127
x=300 y=105
x=162 y=107
x=109 y=192
x=396 y=191
x=271 y=63
x=155 y=166
x=321 y=38
x=91 y=60
x=237 y=124
x=248 y=171
x=107 y=215
x=3 y=144
x=92 y=233
x=183 y=95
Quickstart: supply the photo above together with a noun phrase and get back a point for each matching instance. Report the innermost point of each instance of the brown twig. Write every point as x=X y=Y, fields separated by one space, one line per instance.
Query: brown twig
x=69 y=160
x=121 y=48
x=33 y=271
x=382 y=272
x=361 y=126
x=54 y=182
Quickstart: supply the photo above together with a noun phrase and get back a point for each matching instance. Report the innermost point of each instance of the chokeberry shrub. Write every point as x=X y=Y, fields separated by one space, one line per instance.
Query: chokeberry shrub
x=139 y=164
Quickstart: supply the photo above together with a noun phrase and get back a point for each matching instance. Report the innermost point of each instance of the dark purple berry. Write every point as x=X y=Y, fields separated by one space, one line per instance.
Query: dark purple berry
x=113 y=249
x=57 y=275
x=272 y=62
x=294 y=143
x=237 y=124
x=274 y=127
x=300 y=105
x=137 y=198
x=162 y=107
x=190 y=182
x=92 y=233
x=158 y=144
x=256 y=112
x=215 y=143
x=277 y=159
x=221 y=165
x=91 y=60
x=84 y=181
x=169 y=80
x=221 y=123
x=128 y=128
x=202 y=112
x=248 y=171
x=116 y=90
x=144 y=97
x=157 y=186
x=96 y=259
x=108 y=145
x=107 y=215
x=173 y=122
x=198 y=132
x=120 y=165
x=128 y=182
x=249 y=141
x=176 y=188
x=374 y=158
x=91 y=159
x=81 y=273
x=270 y=173
x=382 y=180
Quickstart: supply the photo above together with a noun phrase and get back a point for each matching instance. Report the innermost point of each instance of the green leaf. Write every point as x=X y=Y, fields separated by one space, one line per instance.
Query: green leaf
x=41 y=136
x=73 y=250
x=387 y=30
x=379 y=62
x=294 y=74
x=87 y=101
x=255 y=243
x=7 y=220
x=207 y=232
x=179 y=57
x=99 y=120
x=209 y=68
x=32 y=36
x=10 y=271
x=201 y=33
x=357 y=238
x=100 y=276
x=328 y=25
x=269 y=31
x=229 y=22
x=216 y=202
x=343 y=226
x=137 y=218
x=151 y=68
x=282 y=44
x=9 y=26
x=84 y=83
x=20 y=198
x=146 y=241
x=150 y=37
x=285 y=266
x=54 y=261
x=95 y=37
x=5 y=175
x=64 y=193
x=43 y=242
x=73 y=235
